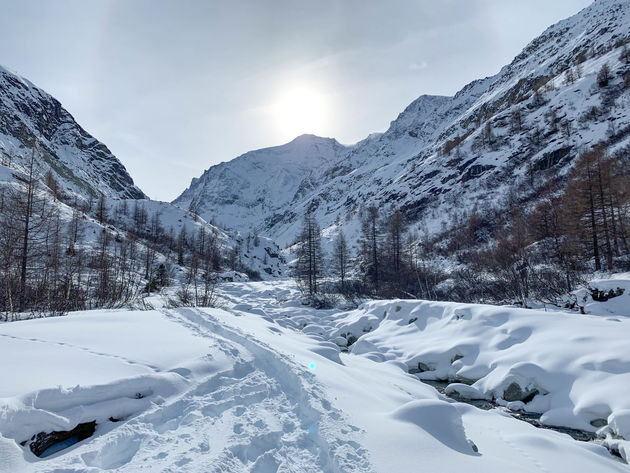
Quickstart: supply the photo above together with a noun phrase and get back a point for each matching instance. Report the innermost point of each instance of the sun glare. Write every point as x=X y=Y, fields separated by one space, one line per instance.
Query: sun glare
x=301 y=110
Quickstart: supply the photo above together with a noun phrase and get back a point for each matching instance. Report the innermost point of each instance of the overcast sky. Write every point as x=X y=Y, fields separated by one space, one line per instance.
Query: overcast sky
x=172 y=87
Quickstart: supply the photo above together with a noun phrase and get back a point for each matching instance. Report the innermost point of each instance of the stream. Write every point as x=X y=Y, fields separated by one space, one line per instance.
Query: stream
x=532 y=418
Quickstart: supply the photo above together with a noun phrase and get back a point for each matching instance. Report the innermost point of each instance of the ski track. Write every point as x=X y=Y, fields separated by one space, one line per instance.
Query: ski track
x=264 y=415
x=321 y=432
x=263 y=412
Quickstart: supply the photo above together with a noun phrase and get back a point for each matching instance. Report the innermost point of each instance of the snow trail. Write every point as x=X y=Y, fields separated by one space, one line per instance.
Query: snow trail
x=263 y=414
x=321 y=427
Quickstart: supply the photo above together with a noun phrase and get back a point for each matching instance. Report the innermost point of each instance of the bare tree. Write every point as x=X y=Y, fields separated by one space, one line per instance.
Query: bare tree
x=341 y=259
x=371 y=246
x=603 y=76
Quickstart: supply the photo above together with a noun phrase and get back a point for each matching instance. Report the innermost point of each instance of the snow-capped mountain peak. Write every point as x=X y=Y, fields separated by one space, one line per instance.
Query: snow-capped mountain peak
x=443 y=153
x=260 y=181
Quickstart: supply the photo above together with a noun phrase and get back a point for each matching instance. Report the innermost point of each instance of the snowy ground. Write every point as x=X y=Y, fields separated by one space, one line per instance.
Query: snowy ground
x=259 y=386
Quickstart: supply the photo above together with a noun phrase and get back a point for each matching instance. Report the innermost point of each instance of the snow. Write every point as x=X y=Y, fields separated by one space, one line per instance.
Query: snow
x=256 y=183
x=577 y=365
x=259 y=386
x=616 y=305
x=404 y=167
x=106 y=350
x=267 y=385
x=83 y=166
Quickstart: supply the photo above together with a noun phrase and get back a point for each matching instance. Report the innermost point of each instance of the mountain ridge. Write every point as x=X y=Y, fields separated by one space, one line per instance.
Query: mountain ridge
x=228 y=182
x=408 y=167
x=83 y=165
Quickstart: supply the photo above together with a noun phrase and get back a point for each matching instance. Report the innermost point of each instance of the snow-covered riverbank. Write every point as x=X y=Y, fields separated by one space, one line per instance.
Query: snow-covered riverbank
x=261 y=386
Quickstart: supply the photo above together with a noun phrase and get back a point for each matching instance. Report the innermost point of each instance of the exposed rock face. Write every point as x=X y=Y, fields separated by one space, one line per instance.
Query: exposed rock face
x=496 y=137
x=79 y=161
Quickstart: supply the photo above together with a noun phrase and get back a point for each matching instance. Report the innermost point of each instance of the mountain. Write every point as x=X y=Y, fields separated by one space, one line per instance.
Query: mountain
x=261 y=182
x=500 y=136
x=79 y=219
x=82 y=164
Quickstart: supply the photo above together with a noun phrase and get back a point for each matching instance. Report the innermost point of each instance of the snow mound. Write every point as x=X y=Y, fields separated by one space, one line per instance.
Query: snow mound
x=438 y=418
x=574 y=369
x=247 y=390
x=606 y=296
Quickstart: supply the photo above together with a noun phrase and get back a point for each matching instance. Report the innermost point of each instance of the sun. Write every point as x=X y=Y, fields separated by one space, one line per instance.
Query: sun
x=300 y=110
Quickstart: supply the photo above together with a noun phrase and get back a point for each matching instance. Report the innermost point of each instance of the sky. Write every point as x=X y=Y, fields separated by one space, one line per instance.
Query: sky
x=173 y=87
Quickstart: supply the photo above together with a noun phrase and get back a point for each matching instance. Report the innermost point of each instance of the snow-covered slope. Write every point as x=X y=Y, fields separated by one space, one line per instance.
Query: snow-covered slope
x=255 y=387
x=261 y=256
x=506 y=133
x=80 y=162
x=255 y=185
x=515 y=356
x=84 y=169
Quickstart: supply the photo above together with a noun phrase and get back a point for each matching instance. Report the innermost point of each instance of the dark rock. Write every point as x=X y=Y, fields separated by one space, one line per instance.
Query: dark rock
x=473 y=446
x=271 y=253
x=44 y=440
x=515 y=393
x=598 y=423
x=603 y=296
x=420 y=369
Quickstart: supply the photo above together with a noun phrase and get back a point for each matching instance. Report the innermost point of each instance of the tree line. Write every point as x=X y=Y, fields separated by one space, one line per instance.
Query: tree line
x=385 y=263
x=55 y=258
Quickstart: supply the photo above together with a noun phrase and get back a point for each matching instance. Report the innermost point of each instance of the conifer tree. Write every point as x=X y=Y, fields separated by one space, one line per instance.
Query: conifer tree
x=310 y=259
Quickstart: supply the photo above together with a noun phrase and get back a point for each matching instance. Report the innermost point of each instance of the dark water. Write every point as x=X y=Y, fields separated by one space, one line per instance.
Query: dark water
x=532 y=418
x=60 y=446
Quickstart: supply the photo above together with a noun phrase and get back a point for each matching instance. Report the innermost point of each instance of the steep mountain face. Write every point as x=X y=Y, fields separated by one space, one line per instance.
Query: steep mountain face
x=260 y=183
x=85 y=169
x=81 y=163
x=444 y=156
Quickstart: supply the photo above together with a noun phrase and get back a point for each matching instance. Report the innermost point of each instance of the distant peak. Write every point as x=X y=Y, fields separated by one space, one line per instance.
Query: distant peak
x=428 y=101
x=309 y=138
